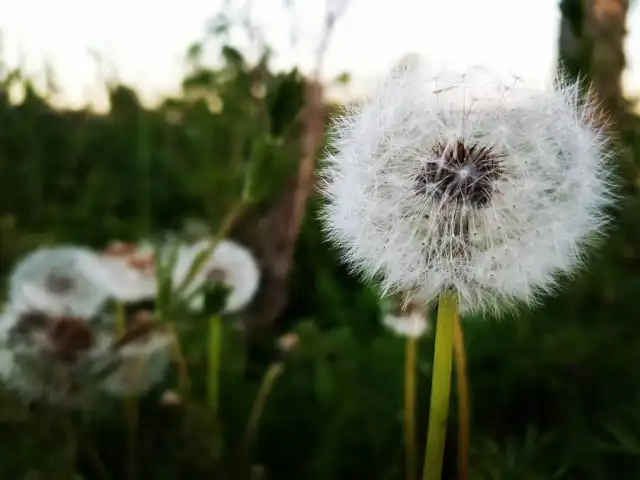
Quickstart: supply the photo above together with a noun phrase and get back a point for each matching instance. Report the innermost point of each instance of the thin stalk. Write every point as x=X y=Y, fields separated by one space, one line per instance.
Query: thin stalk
x=214 y=355
x=184 y=383
x=269 y=379
x=131 y=415
x=410 y=408
x=463 y=400
x=130 y=408
x=97 y=463
x=84 y=426
x=440 y=386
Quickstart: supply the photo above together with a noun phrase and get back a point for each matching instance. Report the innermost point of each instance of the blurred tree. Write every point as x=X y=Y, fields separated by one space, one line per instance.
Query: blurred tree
x=592 y=34
x=280 y=228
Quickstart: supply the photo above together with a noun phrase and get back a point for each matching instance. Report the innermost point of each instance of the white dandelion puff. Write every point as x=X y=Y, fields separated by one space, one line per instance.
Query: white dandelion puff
x=128 y=276
x=235 y=267
x=142 y=364
x=406 y=318
x=55 y=359
x=411 y=325
x=464 y=182
x=7 y=365
x=58 y=281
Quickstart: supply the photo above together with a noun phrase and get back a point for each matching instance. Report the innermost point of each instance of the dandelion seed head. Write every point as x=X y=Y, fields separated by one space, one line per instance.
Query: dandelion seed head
x=127 y=274
x=462 y=174
x=57 y=281
x=467 y=182
x=142 y=365
x=234 y=266
x=53 y=359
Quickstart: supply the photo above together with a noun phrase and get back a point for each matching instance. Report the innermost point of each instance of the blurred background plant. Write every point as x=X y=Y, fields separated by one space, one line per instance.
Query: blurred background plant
x=554 y=392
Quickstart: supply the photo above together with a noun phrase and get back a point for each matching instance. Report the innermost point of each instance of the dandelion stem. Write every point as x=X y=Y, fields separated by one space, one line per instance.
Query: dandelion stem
x=271 y=375
x=121 y=327
x=178 y=357
x=463 y=400
x=131 y=412
x=214 y=355
x=440 y=386
x=410 y=407
x=130 y=406
x=90 y=449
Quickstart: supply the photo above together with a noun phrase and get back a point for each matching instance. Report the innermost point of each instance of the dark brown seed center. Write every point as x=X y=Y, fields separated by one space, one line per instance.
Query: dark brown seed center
x=461 y=173
x=216 y=275
x=59 y=284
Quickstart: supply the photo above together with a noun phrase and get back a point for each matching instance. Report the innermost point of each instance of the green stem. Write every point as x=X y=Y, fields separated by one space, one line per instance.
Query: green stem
x=131 y=412
x=184 y=383
x=88 y=444
x=410 y=408
x=130 y=407
x=121 y=326
x=463 y=401
x=214 y=355
x=440 y=386
x=273 y=372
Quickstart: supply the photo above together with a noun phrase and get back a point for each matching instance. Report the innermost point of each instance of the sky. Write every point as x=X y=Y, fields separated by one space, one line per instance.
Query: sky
x=145 y=41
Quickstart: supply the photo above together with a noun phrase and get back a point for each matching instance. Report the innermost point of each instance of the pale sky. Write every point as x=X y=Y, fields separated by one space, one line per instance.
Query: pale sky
x=145 y=40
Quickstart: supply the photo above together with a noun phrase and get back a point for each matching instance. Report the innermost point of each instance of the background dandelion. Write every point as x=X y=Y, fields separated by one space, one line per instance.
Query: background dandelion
x=57 y=281
x=142 y=364
x=232 y=266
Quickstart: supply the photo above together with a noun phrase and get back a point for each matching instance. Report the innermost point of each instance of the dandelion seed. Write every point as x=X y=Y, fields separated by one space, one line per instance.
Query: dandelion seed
x=462 y=182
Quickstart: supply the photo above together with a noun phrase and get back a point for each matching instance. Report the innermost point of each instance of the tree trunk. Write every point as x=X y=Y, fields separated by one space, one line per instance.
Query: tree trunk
x=606 y=23
x=592 y=34
x=275 y=235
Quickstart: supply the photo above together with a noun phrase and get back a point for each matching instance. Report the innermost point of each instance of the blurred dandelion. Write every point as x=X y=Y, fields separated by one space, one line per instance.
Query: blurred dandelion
x=127 y=273
x=466 y=188
x=7 y=363
x=413 y=323
x=54 y=331
x=233 y=266
x=57 y=281
x=142 y=364
x=55 y=359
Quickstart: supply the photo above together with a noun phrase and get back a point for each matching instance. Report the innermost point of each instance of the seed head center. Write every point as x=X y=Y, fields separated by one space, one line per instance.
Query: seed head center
x=461 y=173
x=59 y=284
